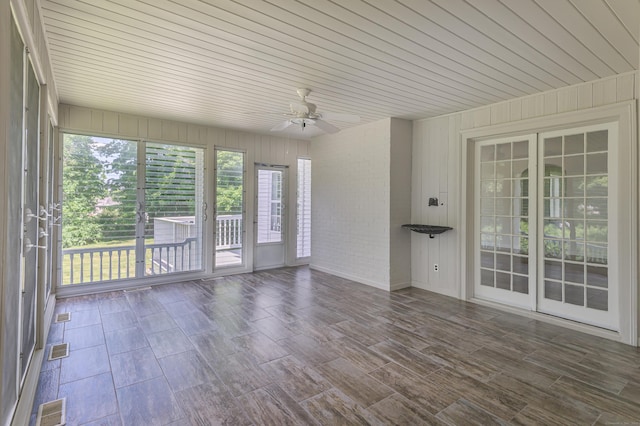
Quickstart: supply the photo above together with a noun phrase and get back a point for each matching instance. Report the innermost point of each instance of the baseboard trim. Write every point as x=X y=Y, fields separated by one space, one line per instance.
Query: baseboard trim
x=371 y=283
x=401 y=285
x=444 y=292
x=22 y=415
x=568 y=324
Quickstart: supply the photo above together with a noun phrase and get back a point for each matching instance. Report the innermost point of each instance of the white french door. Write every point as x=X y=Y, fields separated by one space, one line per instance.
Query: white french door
x=543 y=237
x=504 y=192
x=270 y=217
x=130 y=209
x=577 y=237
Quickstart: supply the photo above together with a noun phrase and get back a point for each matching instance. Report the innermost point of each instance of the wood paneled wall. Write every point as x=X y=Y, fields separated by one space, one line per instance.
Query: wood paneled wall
x=437 y=163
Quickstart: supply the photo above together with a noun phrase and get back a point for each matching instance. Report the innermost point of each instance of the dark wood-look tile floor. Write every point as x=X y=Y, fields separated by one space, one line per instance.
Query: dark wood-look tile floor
x=295 y=346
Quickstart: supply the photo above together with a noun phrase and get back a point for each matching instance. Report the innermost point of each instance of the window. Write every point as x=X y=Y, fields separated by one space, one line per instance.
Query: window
x=229 y=208
x=113 y=230
x=304 y=208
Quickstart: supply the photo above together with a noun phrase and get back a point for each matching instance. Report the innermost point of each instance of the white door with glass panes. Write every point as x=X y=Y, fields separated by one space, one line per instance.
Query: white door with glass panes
x=270 y=217
x=577 y=182
x=229 y=211
x=543 y=237
x=504 y=271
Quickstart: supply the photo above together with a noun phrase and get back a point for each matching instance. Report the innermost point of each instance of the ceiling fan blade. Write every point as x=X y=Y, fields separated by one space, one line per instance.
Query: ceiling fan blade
x=327 y=127
x=347 y=118
x=282 y=126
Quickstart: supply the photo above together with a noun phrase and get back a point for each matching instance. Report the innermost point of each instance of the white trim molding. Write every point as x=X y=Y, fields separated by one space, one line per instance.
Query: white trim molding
x=625 y=115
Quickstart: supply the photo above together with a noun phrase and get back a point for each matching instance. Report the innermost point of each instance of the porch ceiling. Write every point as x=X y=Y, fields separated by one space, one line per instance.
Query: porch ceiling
x=231 y=63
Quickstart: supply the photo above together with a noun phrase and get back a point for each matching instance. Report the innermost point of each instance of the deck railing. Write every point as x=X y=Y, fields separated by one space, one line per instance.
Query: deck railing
x=228 y=231
x=111 y=263
x=86 y=265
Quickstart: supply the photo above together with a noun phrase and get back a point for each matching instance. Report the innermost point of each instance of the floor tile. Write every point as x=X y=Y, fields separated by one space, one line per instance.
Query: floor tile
x=148 y=403
x=186 y=369
x=135 y=366
x=114 y=304
x=333 y=407
x=213 y=345
x=48 y=384
x=413 y=360
x=56 y=333
x=396 y=409
x=271 y=405
x=125 y=340
x=83 y=363
x=119 y=320
x=465 y=412
x=83 y=318
x=156 y=323
x=143 y=303
x=419 y=389
x=240 y=373
x=85 y=337
x=113 y=420
x=308 y=350
x=354 y=382
x=210 y=403
x=89 y=399
x=295 y=378
x=298 y=346
x=169 y=342
x=260 y=347
x=194 y=322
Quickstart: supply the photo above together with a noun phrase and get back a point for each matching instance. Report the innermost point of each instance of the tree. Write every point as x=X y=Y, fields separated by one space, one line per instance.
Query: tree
x=120 y=162
x=229 y=182
x=83 y=185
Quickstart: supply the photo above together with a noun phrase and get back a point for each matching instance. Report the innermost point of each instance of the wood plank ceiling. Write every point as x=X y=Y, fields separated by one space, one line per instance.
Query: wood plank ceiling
x=235 y=64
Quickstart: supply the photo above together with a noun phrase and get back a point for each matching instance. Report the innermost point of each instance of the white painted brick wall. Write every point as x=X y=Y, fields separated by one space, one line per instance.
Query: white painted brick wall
x=351 y=203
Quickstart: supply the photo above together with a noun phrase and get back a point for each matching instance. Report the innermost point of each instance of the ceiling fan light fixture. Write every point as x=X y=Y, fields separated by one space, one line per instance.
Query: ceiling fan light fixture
x=303 y=114
x=303 y=122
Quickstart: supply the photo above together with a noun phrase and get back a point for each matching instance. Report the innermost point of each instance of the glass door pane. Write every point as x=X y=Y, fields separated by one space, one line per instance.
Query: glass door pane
x=269 y=219
x=99 y=181
x=229 y=208
x=173 y=204
x=269 y=206
x=575 y=228
x=124 y=218
x=503 y=169
x=32 y=223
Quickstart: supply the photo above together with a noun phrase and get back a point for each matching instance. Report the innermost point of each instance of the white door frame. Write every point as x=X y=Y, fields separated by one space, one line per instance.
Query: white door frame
x=283 y=243
x=624 y=115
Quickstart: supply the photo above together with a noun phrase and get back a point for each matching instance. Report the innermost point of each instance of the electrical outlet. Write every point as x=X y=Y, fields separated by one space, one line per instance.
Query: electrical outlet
x=435 y=267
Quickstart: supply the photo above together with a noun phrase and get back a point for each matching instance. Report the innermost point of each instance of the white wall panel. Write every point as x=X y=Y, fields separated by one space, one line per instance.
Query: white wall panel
x=567 y=99
x=351 y=203
x=436 y=146
x=550 y=103
x=400 y=203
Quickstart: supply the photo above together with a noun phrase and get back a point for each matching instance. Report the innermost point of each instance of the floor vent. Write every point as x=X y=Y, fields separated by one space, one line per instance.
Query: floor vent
x=133 y=290
x=59 y=351
x=63 y=317
x=52 y=413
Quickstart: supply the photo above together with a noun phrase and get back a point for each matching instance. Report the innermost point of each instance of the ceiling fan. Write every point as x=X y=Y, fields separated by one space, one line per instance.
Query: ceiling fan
x=303 y=114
